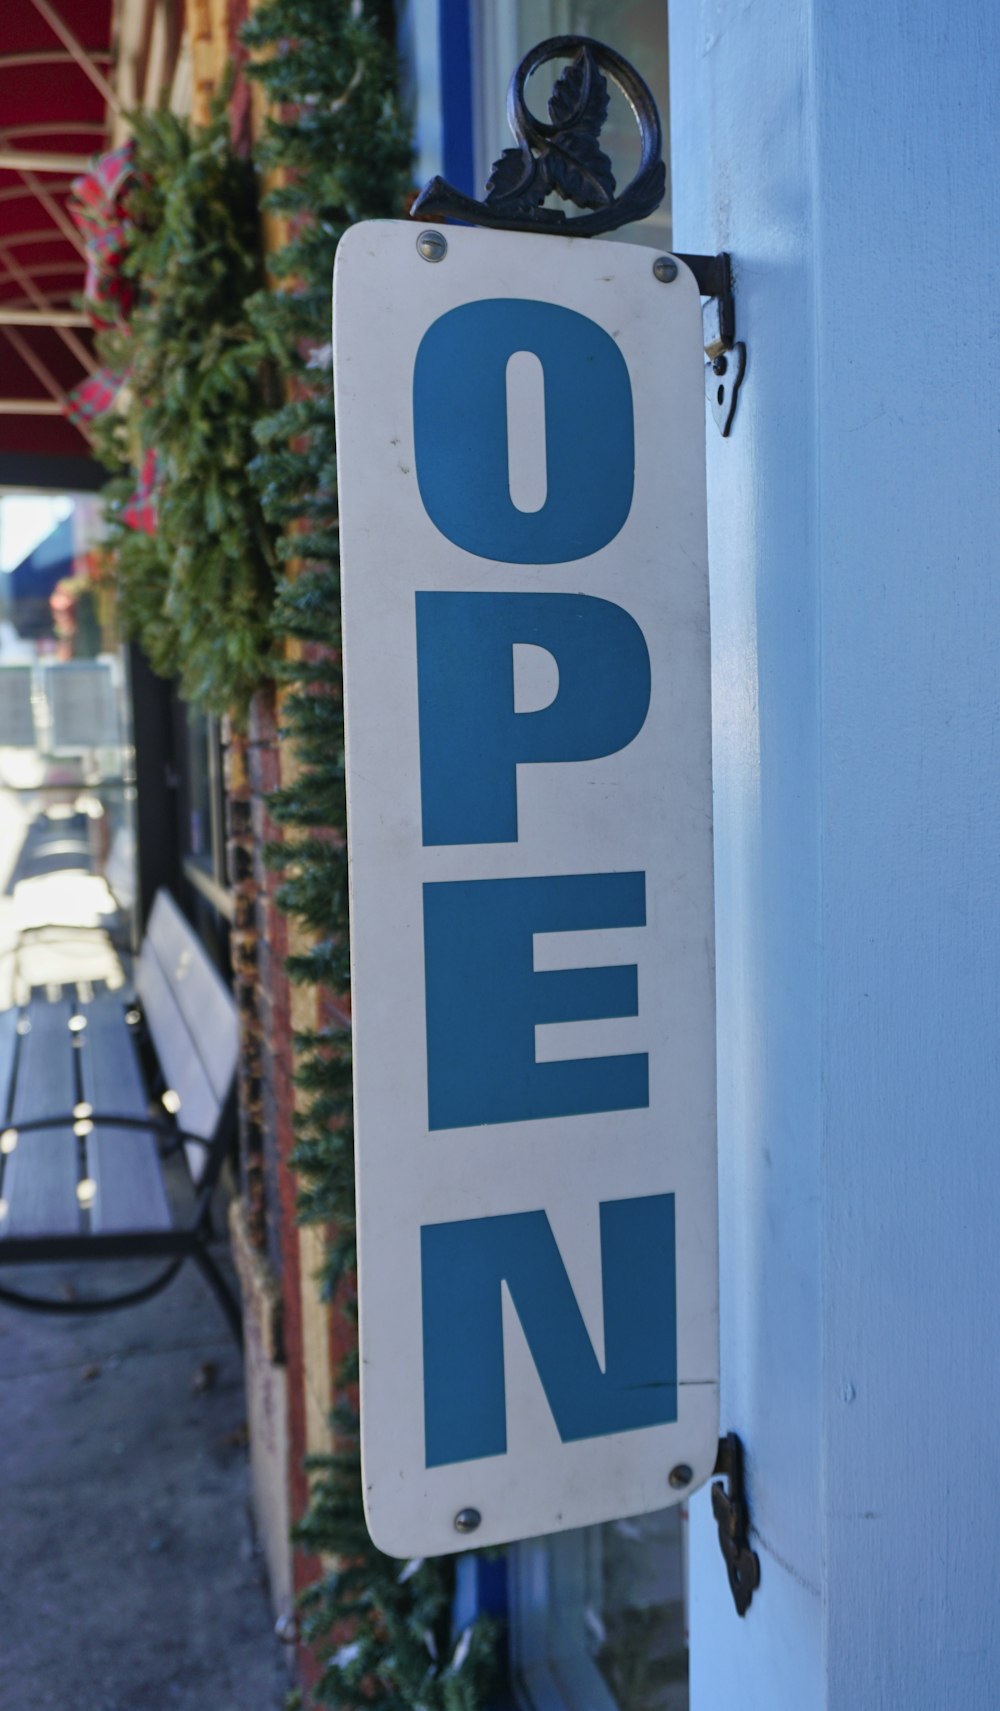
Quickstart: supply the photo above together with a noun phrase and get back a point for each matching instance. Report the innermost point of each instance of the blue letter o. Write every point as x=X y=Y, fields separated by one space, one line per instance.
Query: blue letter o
x=460 y=431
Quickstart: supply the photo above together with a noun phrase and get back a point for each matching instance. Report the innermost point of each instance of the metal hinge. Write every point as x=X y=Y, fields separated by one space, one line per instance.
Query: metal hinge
x=733 y=1517
x=727 y=360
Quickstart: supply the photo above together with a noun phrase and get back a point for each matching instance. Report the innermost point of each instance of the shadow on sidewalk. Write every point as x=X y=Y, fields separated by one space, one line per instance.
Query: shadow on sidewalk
x=129 y=1573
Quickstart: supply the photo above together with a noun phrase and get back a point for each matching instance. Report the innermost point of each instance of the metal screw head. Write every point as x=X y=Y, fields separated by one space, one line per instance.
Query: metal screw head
x=665 y=269
x=680 y=1476
x=433 y=246
x=467 y=1520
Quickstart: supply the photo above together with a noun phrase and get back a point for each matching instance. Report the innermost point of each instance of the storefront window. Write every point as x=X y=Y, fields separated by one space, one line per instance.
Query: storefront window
x=198 y=840
x=598 y=1617
x=638 y=1633
x=203 y=807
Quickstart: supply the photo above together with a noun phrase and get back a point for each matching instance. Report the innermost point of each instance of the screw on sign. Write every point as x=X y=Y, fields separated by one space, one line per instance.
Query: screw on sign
x=529 y=806
x=433 y=246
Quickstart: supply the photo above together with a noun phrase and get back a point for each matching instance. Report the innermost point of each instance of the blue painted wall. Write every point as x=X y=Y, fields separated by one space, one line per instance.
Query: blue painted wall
x=847 y=156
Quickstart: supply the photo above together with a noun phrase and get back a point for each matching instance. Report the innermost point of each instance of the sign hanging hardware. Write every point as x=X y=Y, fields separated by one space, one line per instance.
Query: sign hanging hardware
x=727 y=360
x=565 y=157
x=733 y=1519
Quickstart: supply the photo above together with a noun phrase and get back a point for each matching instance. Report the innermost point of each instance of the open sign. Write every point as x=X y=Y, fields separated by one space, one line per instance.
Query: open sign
x=522 y=487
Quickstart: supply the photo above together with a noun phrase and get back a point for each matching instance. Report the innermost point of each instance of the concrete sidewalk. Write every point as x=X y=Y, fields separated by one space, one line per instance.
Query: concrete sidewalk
x=129 y=1575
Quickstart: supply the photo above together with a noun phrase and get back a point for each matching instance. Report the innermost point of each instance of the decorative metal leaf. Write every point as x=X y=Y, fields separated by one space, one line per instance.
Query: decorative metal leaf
x=577 y=166
x=580 y=170
x=579 y=100
x=519 y=191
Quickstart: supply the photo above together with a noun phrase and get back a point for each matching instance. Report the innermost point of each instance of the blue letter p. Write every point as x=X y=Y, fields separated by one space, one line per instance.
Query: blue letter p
x=471 y=739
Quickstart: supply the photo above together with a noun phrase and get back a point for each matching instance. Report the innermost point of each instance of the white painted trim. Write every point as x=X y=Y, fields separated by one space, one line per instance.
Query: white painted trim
x=30 y=407
x=42 y=318
x=42 y=160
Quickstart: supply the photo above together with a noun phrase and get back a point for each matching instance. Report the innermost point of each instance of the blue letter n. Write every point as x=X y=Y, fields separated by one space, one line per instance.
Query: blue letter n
x=463 y=1267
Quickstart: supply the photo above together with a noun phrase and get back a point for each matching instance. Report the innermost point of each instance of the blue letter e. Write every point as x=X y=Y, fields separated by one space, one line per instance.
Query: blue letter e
x=463 y=1265
x=484 y=998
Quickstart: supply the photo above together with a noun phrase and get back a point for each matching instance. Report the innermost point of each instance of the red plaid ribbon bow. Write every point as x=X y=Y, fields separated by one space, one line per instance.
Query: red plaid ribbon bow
x=92 y=397
x=98 y=207
x=139 y=512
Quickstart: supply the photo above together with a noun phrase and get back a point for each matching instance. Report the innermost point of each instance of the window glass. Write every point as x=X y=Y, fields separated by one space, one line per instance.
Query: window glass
x=503 y=33
x=636 y=1626
x=202 y=803
x=198 y=788
x=598 y=1617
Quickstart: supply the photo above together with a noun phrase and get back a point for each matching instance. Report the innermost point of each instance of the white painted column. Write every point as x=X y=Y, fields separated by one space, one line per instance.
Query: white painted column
x=846 y=154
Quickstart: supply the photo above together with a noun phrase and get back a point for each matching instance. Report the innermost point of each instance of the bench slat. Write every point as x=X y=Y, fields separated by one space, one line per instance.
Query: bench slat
x=112 y=1077
x=41 y=1174
x=202 y=996
x=46 y=1084
x=124 y=1163
x=183 y=1070
x=39 y=1186
x=130 y=1193
x=8 y=1049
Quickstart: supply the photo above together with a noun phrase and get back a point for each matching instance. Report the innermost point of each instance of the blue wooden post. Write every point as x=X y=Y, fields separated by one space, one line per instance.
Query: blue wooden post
x=846 y=154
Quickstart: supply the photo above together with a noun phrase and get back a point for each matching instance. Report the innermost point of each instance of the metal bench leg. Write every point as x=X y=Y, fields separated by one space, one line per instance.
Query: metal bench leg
x=220 y=1289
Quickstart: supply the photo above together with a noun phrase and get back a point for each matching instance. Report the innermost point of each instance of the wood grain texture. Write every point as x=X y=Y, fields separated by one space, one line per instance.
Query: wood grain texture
x=41 y=1174
x=741 y=131
x=46 y=1082
x=40 y=1183
x=856 y=612
x=124 y=1163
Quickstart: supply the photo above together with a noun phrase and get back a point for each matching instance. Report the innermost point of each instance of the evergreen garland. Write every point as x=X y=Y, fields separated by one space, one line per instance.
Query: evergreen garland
x=198 y=594
x=342 y=152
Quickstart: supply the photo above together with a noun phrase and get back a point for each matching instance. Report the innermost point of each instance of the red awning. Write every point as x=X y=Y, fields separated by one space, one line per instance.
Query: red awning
x=56 y=72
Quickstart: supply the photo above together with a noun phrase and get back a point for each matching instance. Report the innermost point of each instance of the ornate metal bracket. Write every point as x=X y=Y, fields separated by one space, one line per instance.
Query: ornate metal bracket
x=565 y=157
x=733 y=1518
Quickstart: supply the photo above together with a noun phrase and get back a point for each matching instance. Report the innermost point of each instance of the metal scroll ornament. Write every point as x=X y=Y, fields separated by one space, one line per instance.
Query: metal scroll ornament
x=565 y=155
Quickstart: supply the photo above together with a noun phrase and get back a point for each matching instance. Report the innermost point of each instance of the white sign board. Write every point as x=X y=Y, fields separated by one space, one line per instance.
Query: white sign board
x=521 y=470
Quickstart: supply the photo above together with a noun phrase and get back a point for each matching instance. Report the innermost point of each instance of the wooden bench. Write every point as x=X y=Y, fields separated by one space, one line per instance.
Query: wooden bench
x=90 y=1120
